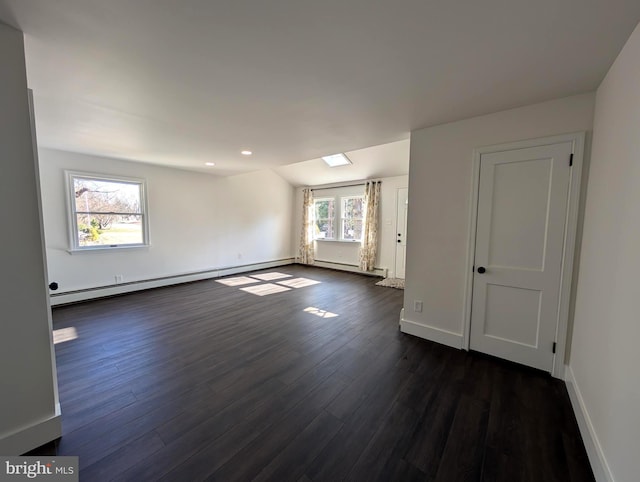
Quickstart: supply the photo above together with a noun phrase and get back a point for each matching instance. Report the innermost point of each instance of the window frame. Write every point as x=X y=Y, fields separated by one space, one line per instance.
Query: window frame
x=343 y=217
x=338 y=217
x=315 y=220
x=72 y=213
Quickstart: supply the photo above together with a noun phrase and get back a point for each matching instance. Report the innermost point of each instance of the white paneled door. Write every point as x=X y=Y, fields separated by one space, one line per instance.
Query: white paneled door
x=523 y=199
x=402 y=203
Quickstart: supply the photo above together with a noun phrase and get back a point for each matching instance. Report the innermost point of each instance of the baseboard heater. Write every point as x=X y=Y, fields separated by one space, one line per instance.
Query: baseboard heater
x=139 y=285
x=353 y=268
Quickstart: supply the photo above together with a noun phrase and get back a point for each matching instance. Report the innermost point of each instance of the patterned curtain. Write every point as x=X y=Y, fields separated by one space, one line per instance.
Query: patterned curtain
x=370 y=232
x=306 y=238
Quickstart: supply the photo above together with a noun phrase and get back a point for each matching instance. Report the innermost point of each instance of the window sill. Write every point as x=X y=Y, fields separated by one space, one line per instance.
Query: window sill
x=348 y=241
x=106 y=249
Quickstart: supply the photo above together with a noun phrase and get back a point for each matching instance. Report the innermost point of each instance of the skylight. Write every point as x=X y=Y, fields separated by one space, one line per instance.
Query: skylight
x=336 y=160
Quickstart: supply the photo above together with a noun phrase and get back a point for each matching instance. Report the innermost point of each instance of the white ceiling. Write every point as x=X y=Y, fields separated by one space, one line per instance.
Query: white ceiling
x=386 y=160
x=185 y=82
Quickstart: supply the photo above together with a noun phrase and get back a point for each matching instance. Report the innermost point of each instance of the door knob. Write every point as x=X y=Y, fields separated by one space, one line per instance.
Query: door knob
x=481 y=269
x=399 y=240
x=53 y=286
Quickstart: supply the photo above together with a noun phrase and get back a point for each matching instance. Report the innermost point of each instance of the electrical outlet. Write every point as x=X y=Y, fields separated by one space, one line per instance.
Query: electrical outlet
x=119 y=278
x=417 y=306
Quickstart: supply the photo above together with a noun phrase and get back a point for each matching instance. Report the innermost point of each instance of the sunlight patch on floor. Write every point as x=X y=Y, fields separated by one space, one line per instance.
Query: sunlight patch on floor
x=265 y=289
x=299 y=282
x=281 y=282
x=271 y=276
x=237 y=281
x=64 y=334
x=320 y=313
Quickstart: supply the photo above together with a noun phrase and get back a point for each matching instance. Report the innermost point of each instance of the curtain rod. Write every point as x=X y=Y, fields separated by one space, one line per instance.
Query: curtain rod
x=338 y=186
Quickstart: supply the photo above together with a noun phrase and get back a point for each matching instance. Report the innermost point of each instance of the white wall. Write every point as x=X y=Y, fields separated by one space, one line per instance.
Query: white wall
x=348 y=252
x=27 y=379
x=440 y=176
x=605 y=356
x=197 y=222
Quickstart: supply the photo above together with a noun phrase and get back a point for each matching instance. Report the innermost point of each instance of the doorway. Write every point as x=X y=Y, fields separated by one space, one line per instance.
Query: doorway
x=524 y=220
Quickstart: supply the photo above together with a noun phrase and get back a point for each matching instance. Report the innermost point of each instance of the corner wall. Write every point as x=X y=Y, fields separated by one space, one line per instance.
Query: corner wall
x=29 y=416
x=603 y=376
x=440 y=175
x=197 y=222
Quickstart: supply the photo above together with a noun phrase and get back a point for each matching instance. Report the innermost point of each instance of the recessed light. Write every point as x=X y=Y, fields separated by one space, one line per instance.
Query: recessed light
x=209 y=164
x=336 y=160
x=246 y=153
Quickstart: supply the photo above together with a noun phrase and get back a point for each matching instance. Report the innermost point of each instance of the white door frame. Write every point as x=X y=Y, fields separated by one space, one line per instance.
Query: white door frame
x=571 y=224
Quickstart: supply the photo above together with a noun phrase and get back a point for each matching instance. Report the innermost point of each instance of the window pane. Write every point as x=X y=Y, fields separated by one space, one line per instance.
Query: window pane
x=352 y=213
x=352 y=207
x=94 y=195
x=352 y=229
x=109 y=229
x=324 y=216
x=324 y=208
x=324 y=229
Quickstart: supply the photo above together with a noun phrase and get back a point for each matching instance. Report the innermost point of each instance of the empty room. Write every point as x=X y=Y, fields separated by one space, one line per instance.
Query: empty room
x=319 y=241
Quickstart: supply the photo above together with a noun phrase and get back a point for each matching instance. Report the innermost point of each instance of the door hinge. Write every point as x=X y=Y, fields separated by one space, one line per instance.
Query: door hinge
x=571 y=159
x=473 y=269
x=553 y=349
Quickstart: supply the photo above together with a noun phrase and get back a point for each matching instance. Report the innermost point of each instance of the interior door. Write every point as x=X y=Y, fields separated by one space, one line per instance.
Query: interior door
x=522 y=212
x=402 y=203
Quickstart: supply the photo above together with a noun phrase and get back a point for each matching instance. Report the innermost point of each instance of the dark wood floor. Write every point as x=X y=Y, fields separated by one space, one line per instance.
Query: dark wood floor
x=205 y=381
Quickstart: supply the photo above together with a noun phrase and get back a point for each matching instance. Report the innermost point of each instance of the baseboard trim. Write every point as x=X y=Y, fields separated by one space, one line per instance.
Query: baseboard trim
x=110 y=290
x=352 y=268
x=601 y=470
x=33 y=436
x=430 y=333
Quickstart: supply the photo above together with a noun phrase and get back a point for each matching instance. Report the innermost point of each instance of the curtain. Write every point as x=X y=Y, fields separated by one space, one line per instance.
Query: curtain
x=306 y=252
x=370 y=230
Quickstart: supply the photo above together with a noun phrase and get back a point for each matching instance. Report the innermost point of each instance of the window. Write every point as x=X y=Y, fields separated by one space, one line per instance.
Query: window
x=351 y=217
x=339 y=218
x=106 y=212
x=324 y=218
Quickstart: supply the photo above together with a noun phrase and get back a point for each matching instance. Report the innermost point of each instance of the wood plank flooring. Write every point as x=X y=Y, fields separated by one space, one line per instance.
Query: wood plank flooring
x=204 y=381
